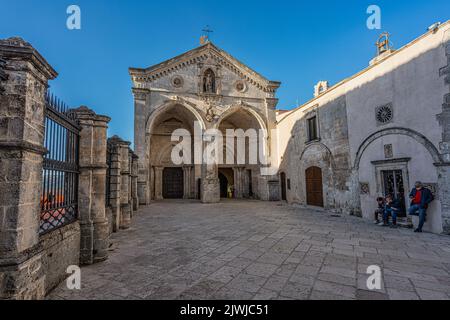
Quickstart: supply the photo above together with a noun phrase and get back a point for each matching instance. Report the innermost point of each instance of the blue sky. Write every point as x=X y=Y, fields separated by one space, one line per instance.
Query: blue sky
x=295 y=42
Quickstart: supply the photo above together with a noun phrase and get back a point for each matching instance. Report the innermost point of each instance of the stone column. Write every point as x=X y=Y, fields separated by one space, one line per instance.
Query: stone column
x=158 y=183
x=134 y=183
x=92 y=186
x=130 y=181
x=188 y=172
x=239 y=182
x=125 y=205
x=24 y=76
x=141 y=143
x=115 y=181
x=210 y=171
x=210 y=184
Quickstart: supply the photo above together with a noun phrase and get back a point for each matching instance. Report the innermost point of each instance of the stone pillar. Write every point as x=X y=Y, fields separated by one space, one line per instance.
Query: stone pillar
x=188 y=172
x=125 y=205
x=115 y=182
x=158 y=183
x=239 y=182
x=210 y=184
x=141 y=143
x=92 y=186
x=134 y=183
x=130 y=181
x=24 y=76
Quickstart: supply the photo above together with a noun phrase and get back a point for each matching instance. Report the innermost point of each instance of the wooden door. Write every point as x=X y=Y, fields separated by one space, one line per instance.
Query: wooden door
x=314 y=187
x=173 y=183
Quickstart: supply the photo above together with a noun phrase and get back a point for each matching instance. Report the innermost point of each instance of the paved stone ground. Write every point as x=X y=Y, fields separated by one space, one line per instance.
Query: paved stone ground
x=261 y=250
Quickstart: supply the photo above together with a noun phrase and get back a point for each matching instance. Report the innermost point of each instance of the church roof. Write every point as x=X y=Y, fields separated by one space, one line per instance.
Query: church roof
x=198 y=55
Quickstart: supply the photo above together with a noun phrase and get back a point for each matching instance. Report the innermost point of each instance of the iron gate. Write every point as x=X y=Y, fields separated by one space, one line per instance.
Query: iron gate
x=59 y=193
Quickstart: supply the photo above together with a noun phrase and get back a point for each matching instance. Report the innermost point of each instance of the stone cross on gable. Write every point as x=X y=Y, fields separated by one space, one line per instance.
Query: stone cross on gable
x=205 y=38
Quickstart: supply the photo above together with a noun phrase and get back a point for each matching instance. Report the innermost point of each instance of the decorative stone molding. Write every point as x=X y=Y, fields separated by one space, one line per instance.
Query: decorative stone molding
x=240 y=86
x=201 y=55
x=388 y=151
x=398 y=131
x=140 y=94
x=177 y=81
x=182 y=101
x=272 y=103
x=364 y=188
x=214 y=71
x=384 y=114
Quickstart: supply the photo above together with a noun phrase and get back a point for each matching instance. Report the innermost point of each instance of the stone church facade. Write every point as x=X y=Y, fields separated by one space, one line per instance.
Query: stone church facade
x=209 y=87
x=374 y=133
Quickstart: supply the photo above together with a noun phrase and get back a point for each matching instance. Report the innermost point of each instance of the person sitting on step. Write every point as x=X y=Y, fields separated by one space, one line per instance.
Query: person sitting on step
x=391 y=208
x=380 y=210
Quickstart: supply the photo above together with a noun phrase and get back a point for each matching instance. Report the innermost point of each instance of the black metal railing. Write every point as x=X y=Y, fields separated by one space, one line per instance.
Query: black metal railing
x=59 y=194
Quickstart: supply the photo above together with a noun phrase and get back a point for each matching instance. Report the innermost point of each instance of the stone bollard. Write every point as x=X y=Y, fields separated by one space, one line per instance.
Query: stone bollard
x=125 y=206
x=92 y=186
x=24 y=76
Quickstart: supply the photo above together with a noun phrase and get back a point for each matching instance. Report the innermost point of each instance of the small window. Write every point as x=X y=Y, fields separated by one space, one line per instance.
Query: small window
x=312 y=129
x=289 y=184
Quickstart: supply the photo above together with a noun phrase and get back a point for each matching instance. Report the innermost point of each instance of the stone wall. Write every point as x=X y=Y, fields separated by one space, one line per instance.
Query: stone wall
x=32 y=264
x=61 y=248
x=388 y=117
x=24 y=80
x=329 y=152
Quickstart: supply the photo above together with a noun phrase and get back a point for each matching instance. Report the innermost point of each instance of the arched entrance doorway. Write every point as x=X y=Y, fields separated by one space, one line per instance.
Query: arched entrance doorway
x=241 y=155
x=169 y=180
x=283 y=186
x=314 y=187
x=223 y=185
x=226 y=181
x=173 y=183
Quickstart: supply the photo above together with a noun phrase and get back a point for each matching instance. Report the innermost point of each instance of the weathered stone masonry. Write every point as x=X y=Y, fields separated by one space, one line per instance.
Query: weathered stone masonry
x=444 y=170
x=32 y=264
x=24 y=81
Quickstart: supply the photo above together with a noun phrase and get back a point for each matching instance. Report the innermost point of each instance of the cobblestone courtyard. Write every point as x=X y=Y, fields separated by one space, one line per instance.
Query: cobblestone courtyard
x=261 y=250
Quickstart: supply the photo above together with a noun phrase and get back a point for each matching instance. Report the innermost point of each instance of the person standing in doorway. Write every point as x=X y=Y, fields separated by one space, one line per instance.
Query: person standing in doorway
x=420 y=197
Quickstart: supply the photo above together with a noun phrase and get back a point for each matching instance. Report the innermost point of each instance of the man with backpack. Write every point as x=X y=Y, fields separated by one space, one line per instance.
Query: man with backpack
x=420 y=197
